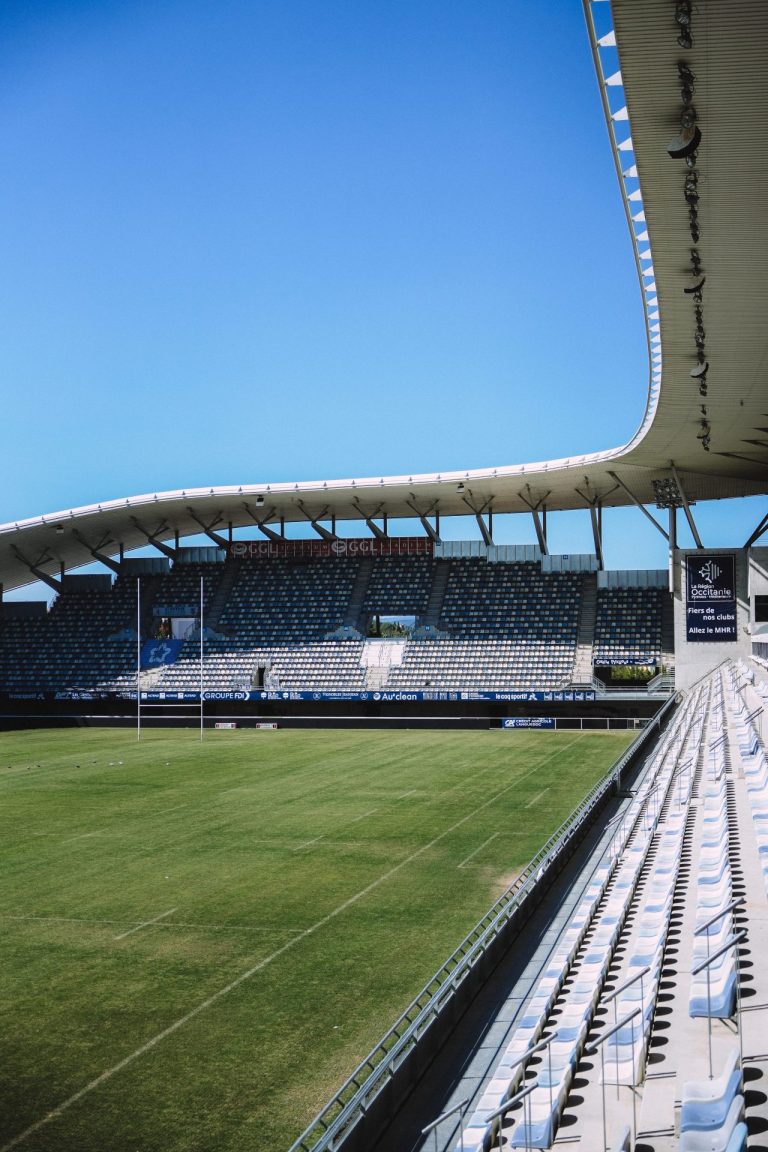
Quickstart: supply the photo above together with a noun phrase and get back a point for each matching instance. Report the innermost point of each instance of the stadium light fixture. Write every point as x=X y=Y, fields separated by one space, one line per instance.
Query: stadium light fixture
x=686 y=142
x=59 y=529
x=696 y=287
x=259 y=501
x=460 y=487
x=700 y=370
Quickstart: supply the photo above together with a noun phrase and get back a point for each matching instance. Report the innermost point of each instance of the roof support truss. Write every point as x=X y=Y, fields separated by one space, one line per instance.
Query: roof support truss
x=262 y=521
x=161 y=546
x=36 y=570
x=486 y=529
x=686 y=508
x=432 y=533
x=637 y=504
x=541 y=528
x=370 y=523
x=761 y=529
x=220 y=541
x=322 y=532
x=96 y=552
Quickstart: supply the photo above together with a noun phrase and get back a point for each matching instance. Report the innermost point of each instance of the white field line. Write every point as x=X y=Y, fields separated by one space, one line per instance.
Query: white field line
x=177 y=1024
x=83 y=835
x=175 y=924
x=478 y=849
x=330 y=832
x=537 y=797
x=145 y=924
x=412 y=792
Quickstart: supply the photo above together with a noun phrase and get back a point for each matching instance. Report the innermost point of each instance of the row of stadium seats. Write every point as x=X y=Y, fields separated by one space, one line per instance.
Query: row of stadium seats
x=628 y=626
x=655 y=978
x=502 y=626
x=551 y=1035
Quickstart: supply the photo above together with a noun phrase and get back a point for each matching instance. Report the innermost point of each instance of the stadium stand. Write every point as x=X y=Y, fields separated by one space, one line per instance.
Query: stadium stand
x=286 y=623
x=628 y=626
x=639 y=1001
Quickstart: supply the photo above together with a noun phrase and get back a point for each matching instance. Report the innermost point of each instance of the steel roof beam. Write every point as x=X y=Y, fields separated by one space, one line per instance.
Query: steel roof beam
x=171 y=553
x=686 y=507
x=758 y=532
x=36 y=570
x=638 y=504
x=218 y=539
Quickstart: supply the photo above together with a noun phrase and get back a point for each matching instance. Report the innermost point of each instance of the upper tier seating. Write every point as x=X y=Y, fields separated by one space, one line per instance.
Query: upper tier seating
x=628 y=626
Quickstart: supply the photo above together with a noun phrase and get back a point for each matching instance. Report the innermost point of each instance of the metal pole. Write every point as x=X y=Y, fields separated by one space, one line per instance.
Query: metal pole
x=138 y=657
x=201 y=657
x=602 y=1077
x=549 y=1055
x=632 y=1088
x=615 y=1022
x=738 y=1004
x=709 y=1024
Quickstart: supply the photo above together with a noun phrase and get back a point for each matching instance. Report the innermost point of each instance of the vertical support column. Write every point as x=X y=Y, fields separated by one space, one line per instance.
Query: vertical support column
x=437 y=522
x=282 y=526
x=595 y=512
x=385 y=523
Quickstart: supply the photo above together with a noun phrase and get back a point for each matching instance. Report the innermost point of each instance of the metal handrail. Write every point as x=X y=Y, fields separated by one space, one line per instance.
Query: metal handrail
x=512 y=1102
x=730 y=942
x=593 y=1047
x=627 y=984
x=719 y=915
x=370 y=1076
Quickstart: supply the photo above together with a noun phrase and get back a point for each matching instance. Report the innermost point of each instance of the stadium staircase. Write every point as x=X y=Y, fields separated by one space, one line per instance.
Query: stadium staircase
x=150 y=589
x=431 y=618
x=354 y=612
x=378 y=658
x=221 y=596
x=582 y=669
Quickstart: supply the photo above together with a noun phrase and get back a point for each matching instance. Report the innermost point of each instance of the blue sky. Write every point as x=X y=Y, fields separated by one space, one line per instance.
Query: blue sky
x=264 y=241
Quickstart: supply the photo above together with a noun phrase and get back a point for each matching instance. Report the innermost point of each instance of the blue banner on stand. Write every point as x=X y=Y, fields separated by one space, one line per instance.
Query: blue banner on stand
x=158 y=653
x=710 y=603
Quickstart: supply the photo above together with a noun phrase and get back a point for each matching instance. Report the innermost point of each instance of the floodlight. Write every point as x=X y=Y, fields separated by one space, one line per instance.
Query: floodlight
x=459 y=487
x=259 y=501
x=59 y=528
x=686 y=143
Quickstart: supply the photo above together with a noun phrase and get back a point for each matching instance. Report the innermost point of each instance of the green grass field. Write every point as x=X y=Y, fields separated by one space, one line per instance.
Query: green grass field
x=200 y=941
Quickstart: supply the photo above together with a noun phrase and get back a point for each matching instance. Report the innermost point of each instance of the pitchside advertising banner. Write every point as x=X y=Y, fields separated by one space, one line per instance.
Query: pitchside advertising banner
x=319 y=549
x=235 y=695
x=710 y=602
x=528 y=722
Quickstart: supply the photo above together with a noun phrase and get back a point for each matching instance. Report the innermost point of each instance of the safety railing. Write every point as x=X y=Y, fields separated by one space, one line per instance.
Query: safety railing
x=354 y=1099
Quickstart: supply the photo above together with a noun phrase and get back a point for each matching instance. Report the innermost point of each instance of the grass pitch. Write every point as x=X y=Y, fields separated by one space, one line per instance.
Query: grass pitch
x=198 y=942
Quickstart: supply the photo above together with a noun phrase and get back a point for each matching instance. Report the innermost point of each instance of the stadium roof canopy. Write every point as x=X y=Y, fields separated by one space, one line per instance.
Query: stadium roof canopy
x=700 y=235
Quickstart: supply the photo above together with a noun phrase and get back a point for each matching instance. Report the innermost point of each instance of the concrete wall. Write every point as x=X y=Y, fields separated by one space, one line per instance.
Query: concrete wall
x=694 y=660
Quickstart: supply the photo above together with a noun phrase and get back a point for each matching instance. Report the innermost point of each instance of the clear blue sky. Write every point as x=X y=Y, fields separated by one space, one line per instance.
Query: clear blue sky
x=263 y=241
